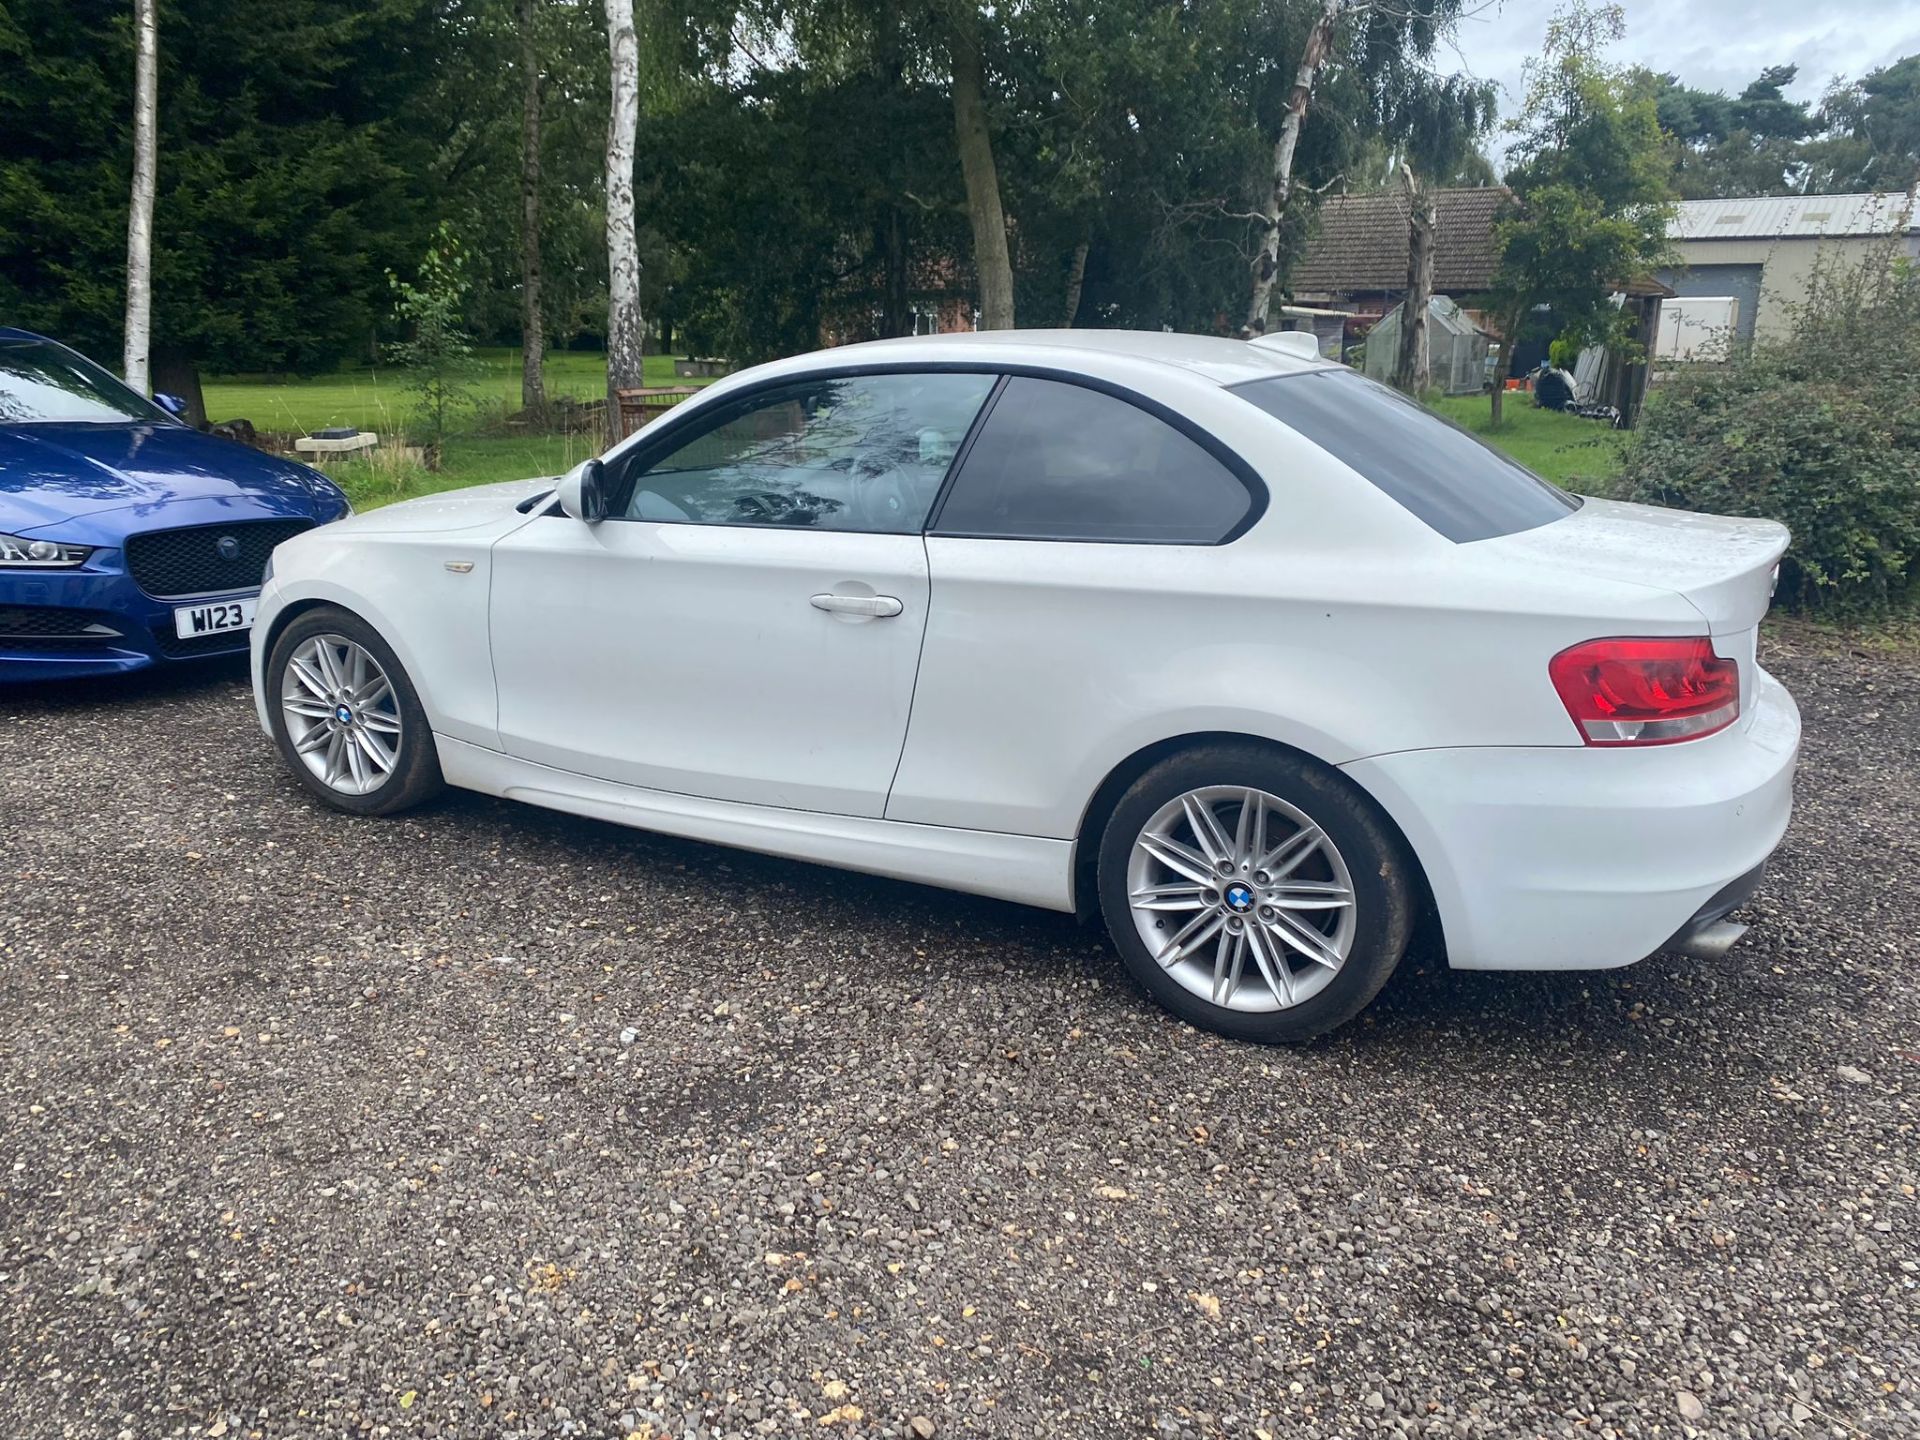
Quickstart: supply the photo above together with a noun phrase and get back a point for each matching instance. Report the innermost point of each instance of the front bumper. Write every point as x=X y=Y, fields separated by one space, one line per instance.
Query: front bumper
x=68 y=624
x=1578 y=859
x=268 y=610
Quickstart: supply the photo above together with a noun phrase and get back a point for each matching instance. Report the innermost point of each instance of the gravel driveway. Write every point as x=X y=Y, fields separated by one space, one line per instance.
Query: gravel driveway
x=486 y=1121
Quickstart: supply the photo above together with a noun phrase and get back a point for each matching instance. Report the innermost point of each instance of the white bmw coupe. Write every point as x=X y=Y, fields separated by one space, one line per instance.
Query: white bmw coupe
x=1260 y=661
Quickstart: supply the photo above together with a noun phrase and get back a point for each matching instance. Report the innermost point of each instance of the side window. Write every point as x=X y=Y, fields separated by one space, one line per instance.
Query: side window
x=1056 y=461
x=856 y=452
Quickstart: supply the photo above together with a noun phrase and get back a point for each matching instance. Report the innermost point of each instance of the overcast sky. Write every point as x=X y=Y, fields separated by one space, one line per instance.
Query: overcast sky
x=1712 y=44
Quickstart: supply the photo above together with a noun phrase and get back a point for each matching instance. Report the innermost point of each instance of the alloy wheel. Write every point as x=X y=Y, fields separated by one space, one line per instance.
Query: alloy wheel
x=1241 y=898
x=342 y=715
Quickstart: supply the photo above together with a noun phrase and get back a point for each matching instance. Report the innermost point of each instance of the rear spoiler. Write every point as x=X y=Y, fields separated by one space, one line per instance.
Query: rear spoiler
x=1301 y=344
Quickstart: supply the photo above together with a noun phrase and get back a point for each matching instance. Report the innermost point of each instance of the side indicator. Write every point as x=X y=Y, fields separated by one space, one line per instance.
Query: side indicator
x=459 y=567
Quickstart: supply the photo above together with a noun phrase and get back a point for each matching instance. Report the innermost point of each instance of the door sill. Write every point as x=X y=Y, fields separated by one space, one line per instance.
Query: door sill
x=1026 y=869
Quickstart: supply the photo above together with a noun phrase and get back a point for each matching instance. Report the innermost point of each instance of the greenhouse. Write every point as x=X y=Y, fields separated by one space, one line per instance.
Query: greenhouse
x=1456 y=348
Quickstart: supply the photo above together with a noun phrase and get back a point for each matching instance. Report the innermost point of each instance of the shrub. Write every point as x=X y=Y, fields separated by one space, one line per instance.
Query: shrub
x=1819 y=429
x=437 y=353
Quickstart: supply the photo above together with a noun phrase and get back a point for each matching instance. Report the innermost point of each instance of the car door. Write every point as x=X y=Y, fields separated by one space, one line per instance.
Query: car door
x=746 y=623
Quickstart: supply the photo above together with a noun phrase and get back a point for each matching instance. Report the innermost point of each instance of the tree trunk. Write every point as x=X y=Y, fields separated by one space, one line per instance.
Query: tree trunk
x=896 y=304
x=146 y=105
x=1411 y=370
x=992 y=265
x=1266 y=264
x=533 y=333
x=174 y=373
x=624 y=322
x=1510 y=324
x=1076 y=281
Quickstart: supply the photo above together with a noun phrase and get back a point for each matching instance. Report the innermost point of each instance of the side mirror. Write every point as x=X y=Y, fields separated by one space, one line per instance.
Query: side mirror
x=172 y=404
x=583 y=492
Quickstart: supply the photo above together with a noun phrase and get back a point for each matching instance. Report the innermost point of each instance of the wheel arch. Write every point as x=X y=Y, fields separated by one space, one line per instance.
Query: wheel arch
x=1093 y=820
x=292 y=612
x=282 y=619
x=381 y=612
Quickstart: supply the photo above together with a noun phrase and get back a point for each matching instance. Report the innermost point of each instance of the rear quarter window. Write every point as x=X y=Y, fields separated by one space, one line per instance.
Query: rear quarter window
x=1059 y=461
x=1448 y=477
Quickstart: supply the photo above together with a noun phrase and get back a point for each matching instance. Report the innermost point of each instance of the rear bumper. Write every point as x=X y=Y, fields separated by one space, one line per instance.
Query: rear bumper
x=1579 y=859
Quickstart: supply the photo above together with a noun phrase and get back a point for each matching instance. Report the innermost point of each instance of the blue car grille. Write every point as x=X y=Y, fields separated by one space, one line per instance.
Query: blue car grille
x=206 y=559
x=47 y=627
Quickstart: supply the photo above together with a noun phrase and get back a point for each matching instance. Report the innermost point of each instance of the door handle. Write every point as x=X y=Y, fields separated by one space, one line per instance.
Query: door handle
x=875 y=607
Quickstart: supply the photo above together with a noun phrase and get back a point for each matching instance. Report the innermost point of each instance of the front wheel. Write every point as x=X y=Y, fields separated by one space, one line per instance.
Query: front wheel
x=346 y=718
x=1254 y=893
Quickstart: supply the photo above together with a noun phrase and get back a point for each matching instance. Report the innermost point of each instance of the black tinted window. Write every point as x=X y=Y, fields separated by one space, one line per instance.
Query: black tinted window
x=1061 y=462
x=861 y=452
x=39 y=381
x=1458 y=484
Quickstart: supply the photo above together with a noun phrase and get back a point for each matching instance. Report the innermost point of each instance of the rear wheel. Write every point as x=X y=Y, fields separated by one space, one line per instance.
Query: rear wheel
x=346 y=717
x=1254 y=892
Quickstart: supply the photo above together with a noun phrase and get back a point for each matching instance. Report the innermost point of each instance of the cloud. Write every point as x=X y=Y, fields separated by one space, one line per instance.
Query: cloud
x=1712 y=44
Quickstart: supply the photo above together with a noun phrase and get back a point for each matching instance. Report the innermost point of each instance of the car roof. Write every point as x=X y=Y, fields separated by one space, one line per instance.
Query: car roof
x=1223 y=361
x=1213 y=357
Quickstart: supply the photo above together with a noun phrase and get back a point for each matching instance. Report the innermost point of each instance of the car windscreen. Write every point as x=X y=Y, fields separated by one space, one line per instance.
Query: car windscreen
x=1455 y=482
x=45 y=382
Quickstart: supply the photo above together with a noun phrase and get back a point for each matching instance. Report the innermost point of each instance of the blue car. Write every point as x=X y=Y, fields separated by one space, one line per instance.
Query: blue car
x=128 y=539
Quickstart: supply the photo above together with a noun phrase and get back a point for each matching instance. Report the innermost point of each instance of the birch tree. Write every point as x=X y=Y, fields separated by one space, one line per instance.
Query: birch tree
x=1266 y=260
x=139 y=323
x=533 y=337
x=1369 y=65
x=624 y=321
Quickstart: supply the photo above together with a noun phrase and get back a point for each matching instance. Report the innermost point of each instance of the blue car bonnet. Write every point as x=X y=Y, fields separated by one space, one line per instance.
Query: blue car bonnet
x=52 y=474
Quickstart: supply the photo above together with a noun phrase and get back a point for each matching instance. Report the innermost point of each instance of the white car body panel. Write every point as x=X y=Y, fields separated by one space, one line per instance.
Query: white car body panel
x=390 y=567
x=1021 y=868
x=676 y=677
x=1047 y=664
x=703 y=667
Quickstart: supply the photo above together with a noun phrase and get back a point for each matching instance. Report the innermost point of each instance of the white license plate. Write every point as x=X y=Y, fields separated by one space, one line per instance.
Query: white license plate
x=214 y=618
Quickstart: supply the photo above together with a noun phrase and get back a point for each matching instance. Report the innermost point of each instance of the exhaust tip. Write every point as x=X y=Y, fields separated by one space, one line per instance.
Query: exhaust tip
x=1706 y=940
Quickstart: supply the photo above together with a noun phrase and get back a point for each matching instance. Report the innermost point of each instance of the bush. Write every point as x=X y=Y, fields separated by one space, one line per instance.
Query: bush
x=1819 y=430
x=437 y=354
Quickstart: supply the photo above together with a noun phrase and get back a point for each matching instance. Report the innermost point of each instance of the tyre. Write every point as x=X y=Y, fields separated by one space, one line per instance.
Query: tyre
x=346 y=717
x=1255 y=893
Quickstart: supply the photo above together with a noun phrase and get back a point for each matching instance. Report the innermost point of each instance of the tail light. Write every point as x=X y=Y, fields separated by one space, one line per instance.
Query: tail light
x=1646 y=692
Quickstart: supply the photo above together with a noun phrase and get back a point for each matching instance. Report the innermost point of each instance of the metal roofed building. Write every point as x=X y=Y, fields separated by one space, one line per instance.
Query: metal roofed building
x=1760 y=250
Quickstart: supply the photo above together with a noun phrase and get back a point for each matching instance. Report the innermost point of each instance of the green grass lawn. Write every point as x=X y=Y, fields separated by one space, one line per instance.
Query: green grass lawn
x=1582 y=455
x=376 y=398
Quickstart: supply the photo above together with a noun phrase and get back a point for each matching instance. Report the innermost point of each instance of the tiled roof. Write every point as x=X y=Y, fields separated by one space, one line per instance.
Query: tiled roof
x=1361 y=243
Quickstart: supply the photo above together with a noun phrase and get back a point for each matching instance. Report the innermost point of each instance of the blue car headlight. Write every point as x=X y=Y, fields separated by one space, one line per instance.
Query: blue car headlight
x=18 y=551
